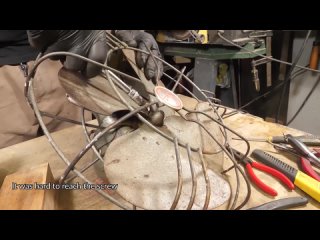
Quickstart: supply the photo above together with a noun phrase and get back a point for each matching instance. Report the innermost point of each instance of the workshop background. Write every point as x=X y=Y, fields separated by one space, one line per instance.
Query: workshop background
x=188 y=137
x=279 y=102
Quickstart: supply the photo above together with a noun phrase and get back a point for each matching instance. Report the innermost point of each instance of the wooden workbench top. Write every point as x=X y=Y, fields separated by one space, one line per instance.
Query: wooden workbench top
x=71 y=140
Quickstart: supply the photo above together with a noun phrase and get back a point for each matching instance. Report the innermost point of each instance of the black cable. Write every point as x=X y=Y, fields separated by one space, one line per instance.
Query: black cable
x=304 y=101
x=288 y=77
x=297 y=73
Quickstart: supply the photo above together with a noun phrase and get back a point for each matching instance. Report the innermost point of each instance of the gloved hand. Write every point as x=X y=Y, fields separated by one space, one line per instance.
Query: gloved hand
x=87 y=43
x=143 y=41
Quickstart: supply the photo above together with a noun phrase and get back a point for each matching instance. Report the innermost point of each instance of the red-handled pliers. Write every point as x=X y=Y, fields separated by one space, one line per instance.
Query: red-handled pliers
x=305 y=163
x=249 y=164
x=307 y=167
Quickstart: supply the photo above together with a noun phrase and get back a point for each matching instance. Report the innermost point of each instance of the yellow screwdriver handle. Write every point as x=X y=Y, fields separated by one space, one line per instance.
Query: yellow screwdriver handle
x=308 y=185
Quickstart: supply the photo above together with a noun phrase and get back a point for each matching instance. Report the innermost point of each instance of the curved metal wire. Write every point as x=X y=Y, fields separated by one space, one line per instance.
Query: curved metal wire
x=90 y=142
x=160 y=132
x=34 y=105
x=179 y=167
x=194 y=180
x=98 y=136
x=95 y=150
x=206 y=179
x=225 y=133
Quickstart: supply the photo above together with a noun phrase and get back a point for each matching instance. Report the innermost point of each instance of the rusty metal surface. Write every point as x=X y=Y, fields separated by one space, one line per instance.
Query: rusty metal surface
x=94 y=94
x=144 y=165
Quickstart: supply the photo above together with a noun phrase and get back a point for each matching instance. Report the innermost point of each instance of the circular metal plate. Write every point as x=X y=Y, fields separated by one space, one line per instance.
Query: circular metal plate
x=168 y=97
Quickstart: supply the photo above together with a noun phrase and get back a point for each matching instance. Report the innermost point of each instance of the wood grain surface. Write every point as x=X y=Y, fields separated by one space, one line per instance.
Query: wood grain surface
x=37 y=151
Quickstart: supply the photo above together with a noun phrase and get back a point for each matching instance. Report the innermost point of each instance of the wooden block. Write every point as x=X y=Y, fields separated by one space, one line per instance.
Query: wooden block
x=25 y=190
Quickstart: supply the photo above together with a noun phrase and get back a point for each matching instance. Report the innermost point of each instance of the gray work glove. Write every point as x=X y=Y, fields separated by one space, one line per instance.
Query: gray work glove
x=88 y=43
x=144 y=41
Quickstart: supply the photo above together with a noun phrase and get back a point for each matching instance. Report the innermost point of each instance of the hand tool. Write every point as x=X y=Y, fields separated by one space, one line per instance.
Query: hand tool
x=307 y=168
x=309 y=140
x=255 y=73
x=301 y=180
x=302 y=149
x=281 y=204
x=249 y=164
x=305 y=164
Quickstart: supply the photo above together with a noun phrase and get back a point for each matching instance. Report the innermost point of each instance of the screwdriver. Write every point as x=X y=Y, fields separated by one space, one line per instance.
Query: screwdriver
x=309 y=140
x=301 y=180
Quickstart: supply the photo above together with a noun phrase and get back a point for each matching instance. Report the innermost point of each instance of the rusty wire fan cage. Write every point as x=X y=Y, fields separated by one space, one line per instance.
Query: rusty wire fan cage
x=139 y=110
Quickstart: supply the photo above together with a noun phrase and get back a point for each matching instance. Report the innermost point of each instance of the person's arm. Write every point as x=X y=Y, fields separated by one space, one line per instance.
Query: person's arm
x=144 y=41
x=87 y=43
x=93 y=44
